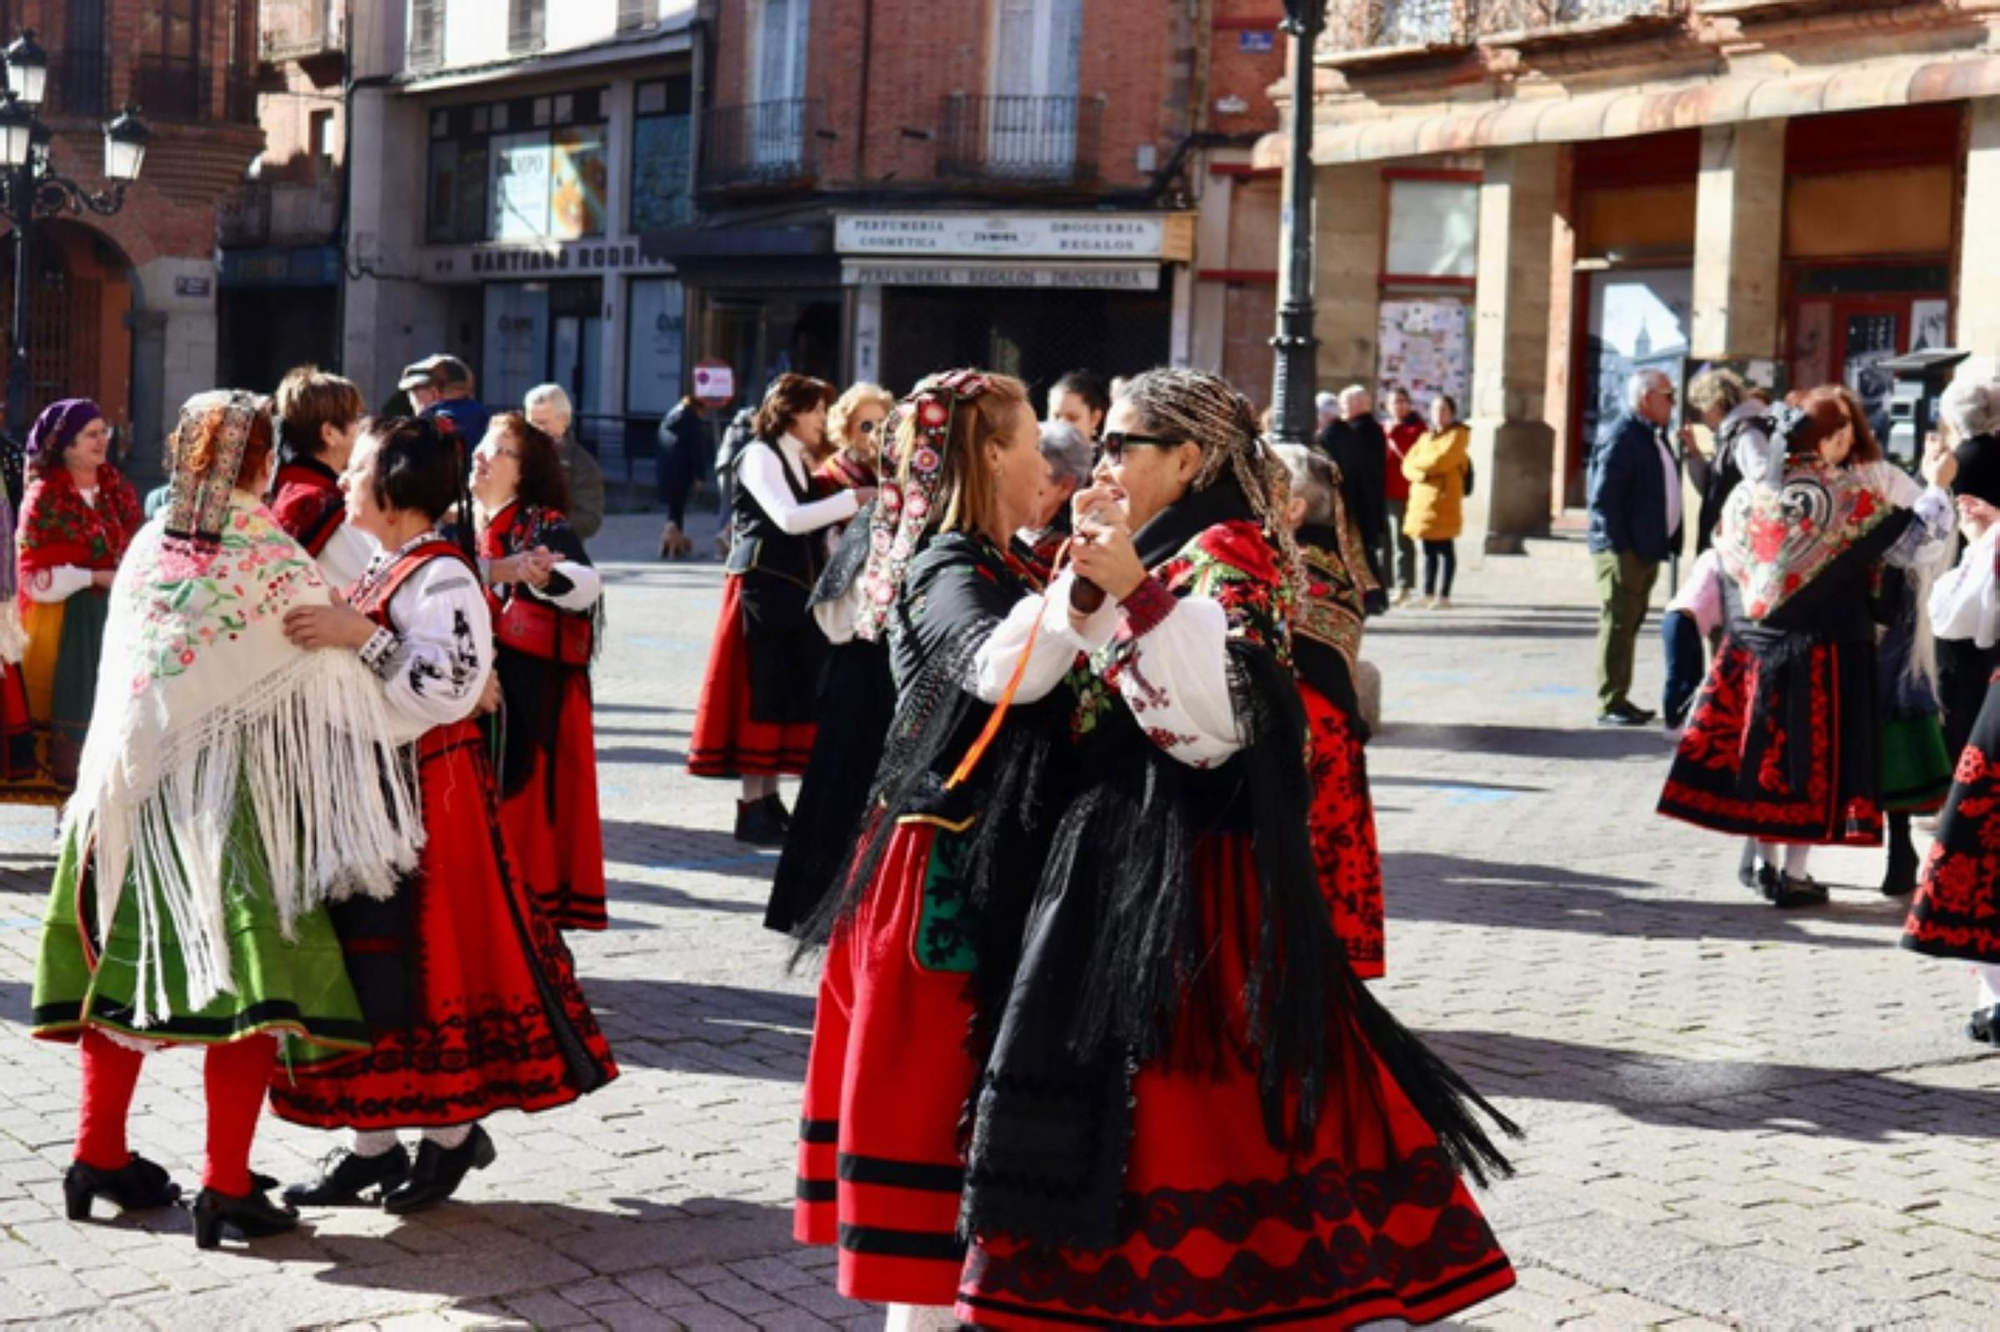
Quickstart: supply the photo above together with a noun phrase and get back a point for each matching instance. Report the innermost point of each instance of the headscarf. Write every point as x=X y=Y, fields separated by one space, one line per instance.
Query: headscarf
x=912 y=476
x=59 y=423
x=207 y=718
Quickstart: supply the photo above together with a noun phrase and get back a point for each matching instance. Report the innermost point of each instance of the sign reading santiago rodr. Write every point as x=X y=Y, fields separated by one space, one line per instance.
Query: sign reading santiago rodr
x=1168 y=236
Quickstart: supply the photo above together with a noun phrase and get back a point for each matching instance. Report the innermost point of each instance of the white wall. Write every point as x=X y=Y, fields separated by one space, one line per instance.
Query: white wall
x=391 y=318
x=475 y=31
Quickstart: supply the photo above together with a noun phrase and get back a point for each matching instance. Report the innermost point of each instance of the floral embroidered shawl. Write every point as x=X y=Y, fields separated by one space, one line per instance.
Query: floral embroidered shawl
x=56 y=527
x=201 y=703
x=1774 y=542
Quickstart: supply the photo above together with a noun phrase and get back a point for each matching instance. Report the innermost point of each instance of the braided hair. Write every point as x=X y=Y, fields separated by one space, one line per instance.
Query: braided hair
x=1203 y=409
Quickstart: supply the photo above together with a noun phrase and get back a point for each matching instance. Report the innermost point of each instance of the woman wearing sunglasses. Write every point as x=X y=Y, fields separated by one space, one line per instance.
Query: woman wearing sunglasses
x=854 y=429
x=1184 y=1051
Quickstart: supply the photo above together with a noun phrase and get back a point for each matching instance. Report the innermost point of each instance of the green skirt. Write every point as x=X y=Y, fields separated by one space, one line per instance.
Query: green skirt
x=84 y=617
x=296 y=989
x=1916 y=769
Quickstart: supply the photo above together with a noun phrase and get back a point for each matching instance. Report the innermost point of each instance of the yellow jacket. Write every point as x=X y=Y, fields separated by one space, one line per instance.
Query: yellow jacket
x=1436 y=466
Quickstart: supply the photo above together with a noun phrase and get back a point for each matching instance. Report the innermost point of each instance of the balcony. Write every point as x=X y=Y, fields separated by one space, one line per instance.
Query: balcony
x=1018 y=139
x=279 y=212
x=1396 y=25
x=1533 y=19
x=1364 y=29
x=299 y=29
x=761 y=145
x=244 y=218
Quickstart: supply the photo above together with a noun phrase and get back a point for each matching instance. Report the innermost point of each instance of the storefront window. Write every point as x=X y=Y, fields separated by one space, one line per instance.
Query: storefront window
x=1639 y=320
x=1433 y=229
x=529 y=169
x=656 y=338
x=517 y=340
x=662 y=155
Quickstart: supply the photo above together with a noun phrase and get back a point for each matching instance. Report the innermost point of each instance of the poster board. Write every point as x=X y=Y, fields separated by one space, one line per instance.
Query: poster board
x=1424 y=346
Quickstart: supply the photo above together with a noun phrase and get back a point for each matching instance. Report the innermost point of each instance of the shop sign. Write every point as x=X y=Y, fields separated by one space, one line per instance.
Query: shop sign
x=1104 y=277
x=714 y=382
x=476 y=263
x=1167 y=236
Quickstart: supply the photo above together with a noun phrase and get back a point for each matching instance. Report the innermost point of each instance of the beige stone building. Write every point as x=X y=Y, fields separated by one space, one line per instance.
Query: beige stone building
x=1522 y=201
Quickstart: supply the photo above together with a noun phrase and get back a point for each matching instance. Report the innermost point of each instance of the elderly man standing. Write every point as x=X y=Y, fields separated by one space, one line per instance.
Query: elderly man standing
x=1067 y=458
x=1635 y=523
x=1358 y=448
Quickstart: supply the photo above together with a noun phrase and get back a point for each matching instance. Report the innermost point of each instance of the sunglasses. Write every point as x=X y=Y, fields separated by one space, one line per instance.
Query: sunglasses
x=1115 y=442
x=866 y=427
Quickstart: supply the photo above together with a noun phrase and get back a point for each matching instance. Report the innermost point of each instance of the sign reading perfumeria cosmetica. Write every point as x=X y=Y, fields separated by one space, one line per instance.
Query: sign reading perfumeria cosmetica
x=1168 y=236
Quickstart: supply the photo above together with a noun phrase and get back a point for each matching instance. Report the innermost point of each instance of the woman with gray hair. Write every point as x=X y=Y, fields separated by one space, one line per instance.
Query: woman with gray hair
x=1739 y=417
x=550 y=411
x=1067 y=458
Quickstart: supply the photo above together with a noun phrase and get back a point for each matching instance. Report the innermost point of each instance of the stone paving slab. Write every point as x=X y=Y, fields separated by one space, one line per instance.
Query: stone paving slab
x=1736 y=1117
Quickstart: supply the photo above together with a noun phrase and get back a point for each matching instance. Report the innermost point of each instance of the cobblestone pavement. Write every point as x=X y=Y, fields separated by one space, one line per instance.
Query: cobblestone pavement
x=1735 y=1116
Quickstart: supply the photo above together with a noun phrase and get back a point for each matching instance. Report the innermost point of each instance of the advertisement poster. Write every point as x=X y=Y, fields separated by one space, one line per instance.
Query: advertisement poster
x=1638 y=321
x=1871 y=340
x=662 y=151
x=1425 y=347
x=1930 y=322
x=577 y=205
x=520 y=189
x=657 y=336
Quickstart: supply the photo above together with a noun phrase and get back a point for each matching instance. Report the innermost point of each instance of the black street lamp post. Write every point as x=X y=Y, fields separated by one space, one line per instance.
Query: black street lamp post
x=1297 y=348
x=29 y=188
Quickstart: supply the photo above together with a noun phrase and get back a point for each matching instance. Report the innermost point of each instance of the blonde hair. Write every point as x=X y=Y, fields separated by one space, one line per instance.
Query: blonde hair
x=841 y=415
x=1722 y=390
x=965 y=495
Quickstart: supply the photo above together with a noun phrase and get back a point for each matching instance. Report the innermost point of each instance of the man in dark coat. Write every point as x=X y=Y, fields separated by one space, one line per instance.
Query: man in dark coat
x=1635 y=523
x=1357 y=446
x=686 y=444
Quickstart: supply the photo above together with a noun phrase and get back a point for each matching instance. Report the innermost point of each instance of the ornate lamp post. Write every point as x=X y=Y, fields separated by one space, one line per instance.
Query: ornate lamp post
x=1298 y=350
x=30 y=189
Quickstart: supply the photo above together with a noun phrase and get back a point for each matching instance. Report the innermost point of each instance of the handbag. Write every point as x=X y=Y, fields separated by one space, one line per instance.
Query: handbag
x=1469 y=477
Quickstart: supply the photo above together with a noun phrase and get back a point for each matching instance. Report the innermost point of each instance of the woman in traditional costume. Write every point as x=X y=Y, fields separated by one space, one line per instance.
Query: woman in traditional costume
x=319 y=418
x=1326 y=648
x=231 y=785
x=471 y=997
x=1193 y=1113
x=1783 y=745
x=760 y=692
x=931 y=919
x=76 y=520
x=856 y=703
x=546 y=610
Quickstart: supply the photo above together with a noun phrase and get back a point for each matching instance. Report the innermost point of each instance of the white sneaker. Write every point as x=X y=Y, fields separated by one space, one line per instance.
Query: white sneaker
x=1440 y=603
x=1402 y=597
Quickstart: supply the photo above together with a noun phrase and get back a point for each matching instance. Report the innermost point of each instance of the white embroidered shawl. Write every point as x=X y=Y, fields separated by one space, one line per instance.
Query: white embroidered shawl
x=203 y=703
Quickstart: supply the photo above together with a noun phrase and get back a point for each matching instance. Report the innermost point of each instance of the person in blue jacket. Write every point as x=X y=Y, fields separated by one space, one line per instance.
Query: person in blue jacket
x=1635 y=523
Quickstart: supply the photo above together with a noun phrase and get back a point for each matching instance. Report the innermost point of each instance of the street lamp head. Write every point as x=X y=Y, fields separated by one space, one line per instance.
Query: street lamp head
x=1304 y=17
x=27 y=69
x=125 y=146
x=17 y=129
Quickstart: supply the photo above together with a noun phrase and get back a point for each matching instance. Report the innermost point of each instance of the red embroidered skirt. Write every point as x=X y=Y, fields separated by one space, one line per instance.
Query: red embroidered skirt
x=1956 y=911
x=471 y=995
x=728 y=741
x=879 y=1166
x=19 y=759
x=1221 y=1229
x=1783 y=748
x=1343 y=834
x=561 y=858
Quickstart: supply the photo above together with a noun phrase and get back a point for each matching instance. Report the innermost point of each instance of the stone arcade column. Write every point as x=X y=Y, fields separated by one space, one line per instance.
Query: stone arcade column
x=1347 y=272
x=1739 y=240
x=1974 y=309
x=1513 y=446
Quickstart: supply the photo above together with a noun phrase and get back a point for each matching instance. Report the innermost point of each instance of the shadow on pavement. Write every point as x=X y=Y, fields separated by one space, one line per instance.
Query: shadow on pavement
x=1785 y=1098
x=1454 y=890
x=1529 y=741
x=639 y=754
x=684 y=1026
x=1450 y=623
x=662 y=846
x=601 y=707
x=660 y=894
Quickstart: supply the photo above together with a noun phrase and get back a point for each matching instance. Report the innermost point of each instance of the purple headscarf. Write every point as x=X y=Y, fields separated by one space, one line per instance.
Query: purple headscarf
x=59 y=423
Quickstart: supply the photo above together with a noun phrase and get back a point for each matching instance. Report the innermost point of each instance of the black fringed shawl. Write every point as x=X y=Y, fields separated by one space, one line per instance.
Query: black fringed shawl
x=1117 y=969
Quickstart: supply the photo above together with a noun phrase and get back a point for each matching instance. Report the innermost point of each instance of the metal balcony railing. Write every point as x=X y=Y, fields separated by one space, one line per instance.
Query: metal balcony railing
x=1534 y=16
x=244 y=218
x=298 y=29
x=1388 y=25
x=760 y=144
x=1008 y=137
x=171 y=87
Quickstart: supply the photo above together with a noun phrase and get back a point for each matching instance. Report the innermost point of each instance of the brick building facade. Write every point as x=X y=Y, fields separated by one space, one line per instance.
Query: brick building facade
x=1524 y=202
x=124 y=306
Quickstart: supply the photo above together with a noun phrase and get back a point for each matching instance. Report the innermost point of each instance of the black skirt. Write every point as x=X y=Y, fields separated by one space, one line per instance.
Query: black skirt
x=855 y=711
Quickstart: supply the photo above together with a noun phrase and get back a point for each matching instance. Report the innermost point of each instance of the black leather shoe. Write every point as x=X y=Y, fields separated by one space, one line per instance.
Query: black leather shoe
x=1985 y=1025
x=1624 y=714
x=757 y=825
x=254 y=1215
x=1796 y=891
x=438 y=1173
x=778 y=811
x=135 y=1186
x=344 y=1175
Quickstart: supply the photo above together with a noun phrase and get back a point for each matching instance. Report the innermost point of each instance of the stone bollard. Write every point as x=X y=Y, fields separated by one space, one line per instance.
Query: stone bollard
x=1368 y=693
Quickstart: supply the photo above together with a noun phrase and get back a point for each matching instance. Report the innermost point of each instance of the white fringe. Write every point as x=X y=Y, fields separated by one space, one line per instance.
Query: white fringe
x=335 y=804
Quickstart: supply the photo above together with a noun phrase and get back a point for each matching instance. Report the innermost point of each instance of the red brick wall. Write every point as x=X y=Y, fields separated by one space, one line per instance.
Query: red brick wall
x=1233 y=72
x=1139 y=54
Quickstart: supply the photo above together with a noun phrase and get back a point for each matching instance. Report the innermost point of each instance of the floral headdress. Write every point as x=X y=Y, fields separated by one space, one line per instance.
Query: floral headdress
x=920 y=428
x=198 y=503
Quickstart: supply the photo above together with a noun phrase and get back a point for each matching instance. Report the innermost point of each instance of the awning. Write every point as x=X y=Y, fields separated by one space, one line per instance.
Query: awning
x=1551 y=117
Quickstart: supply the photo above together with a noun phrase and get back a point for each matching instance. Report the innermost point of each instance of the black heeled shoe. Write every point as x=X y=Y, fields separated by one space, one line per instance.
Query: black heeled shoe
x=1985 y=1025
x=344 y=1175
x=254 y=1214
x=438 y=1172
x=1900 y=878
x=135 y=1186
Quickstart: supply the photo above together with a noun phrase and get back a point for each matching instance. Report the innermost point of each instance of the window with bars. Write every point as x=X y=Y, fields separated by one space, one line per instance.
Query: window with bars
x=426 y=38
x=526 y=22
x=1416 y=23
x=635 y=14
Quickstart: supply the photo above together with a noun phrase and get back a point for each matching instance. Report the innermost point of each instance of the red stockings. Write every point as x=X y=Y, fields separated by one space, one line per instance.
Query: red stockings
x=234 y=1075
